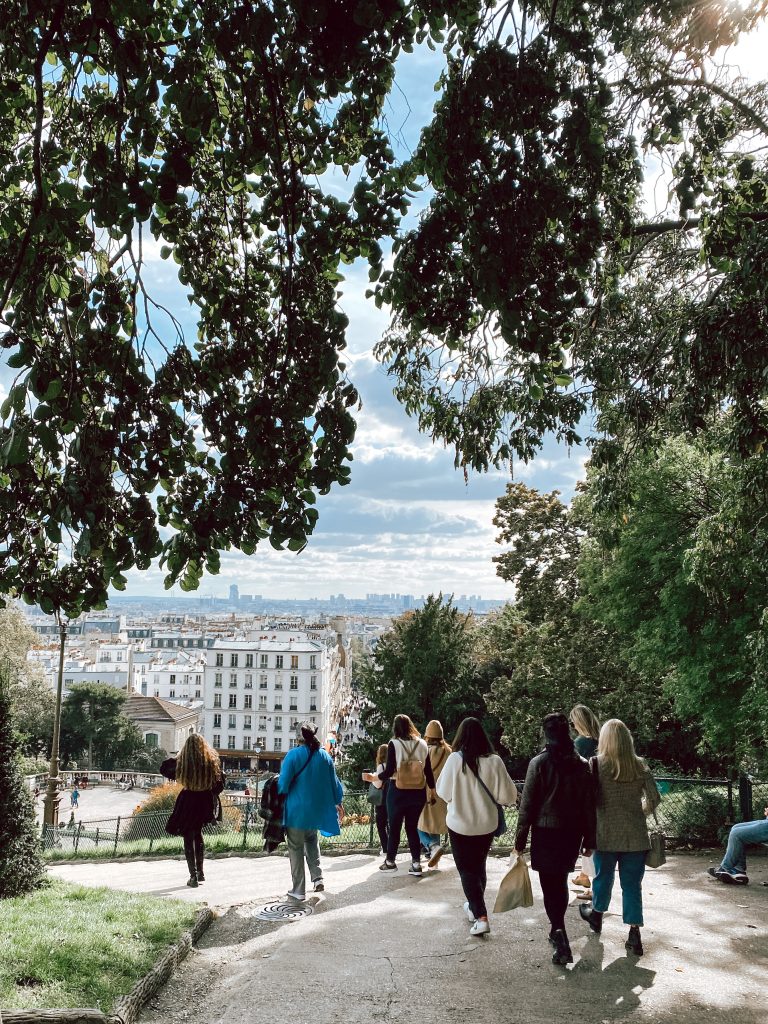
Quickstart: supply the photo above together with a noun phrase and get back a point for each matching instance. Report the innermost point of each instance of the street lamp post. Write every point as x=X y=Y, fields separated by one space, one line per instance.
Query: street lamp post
x=52 y=797
x=257 y=752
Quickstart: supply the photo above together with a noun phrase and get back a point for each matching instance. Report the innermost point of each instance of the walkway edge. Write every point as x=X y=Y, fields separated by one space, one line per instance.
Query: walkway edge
x=127 y=1009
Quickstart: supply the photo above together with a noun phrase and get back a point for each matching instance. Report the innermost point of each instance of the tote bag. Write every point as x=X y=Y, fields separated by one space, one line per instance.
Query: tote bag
x=515 y=889
x=657 y=855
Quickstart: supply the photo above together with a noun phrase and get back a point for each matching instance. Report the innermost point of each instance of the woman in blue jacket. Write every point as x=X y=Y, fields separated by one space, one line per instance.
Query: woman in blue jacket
x=313 y=796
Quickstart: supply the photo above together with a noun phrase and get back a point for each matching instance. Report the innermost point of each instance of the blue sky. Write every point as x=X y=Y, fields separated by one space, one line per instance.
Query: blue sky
x=407 y=522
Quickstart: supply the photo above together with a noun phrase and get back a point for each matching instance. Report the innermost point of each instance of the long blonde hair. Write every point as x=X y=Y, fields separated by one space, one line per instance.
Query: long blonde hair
x=584 y=722
x=197 y=767
x=617 y=749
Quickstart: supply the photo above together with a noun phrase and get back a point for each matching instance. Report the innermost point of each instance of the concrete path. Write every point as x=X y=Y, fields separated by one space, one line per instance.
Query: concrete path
x=383 y=948
x=99 y=803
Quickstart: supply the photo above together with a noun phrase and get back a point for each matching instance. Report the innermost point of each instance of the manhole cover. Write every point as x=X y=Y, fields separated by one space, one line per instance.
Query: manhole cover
x=280 y=910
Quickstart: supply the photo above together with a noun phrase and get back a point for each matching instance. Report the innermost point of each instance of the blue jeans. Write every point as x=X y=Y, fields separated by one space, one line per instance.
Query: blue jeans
x=735 y=860
x=631 y=871
x=428 y=839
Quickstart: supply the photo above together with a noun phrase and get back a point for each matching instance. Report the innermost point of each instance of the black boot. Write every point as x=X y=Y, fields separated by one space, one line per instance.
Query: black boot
x=634 y=943
x=192 y=883
x=199 y=867
x=562 y=954
x=593 y=918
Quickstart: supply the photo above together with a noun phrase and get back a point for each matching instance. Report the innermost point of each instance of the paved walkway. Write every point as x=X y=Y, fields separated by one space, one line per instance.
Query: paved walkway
x=384 y=948
x=97 y=803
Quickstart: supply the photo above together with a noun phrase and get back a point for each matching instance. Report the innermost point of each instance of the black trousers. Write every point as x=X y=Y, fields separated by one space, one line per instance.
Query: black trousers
x=470 y=854
x=382 y=824
x=404 y=805
x=554 y=886
x=194 y=850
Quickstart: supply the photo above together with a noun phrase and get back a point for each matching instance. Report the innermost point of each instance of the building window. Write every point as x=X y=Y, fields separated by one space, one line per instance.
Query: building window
x=232 y=721
x=246 y=742
x=171 y=694
x=198 y=680
x=172 y=680
x=217 y=721
x=278 y=685
x=219 y=660
x=294 y=742
x=232 y=679
x=217 y=700
x=248 y=701
x=294 y=682
x=278 y=724
x=249 y=661
x=263 y=661
x=230 y=743
x=294 y=661
x=152 y=740
x=217 y=739
x=294 y=723
x=278 y=705
x=312 y=706
x=278 y=661
x=262 y=723
x=233 y=700
x=249 y=682
x=313 y=661
x=157 y=693
x=217 y=680
x=293 y=706
x=278 y=743
x=262 y=682
x=313 y=682
x=247 y=721
x=198 y=693
x=233 y=661
x=263 y=702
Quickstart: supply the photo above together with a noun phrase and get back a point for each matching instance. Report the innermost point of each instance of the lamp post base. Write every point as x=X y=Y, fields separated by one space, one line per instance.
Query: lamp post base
x=51 y=802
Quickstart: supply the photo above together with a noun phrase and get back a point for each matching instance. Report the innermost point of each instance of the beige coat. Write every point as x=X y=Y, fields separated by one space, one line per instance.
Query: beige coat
x=432 y=818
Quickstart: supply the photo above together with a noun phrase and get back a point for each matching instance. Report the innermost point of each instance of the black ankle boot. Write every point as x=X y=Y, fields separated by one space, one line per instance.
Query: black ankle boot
x=192 y=883
x=634 y=943
x=593 y=918
x=562 y=954
x=199 y=869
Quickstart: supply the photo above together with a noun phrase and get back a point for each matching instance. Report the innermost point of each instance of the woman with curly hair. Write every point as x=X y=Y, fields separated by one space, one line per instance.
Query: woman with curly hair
x=198 y=769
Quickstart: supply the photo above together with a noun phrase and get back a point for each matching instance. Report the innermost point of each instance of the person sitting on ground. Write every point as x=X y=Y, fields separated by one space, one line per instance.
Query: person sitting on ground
x=733 y=867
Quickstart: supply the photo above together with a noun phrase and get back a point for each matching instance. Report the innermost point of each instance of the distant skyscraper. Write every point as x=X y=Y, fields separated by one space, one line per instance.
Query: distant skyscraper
x=234 y=593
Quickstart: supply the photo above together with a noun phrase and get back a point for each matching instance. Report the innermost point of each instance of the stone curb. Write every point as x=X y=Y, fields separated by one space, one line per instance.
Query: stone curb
x=127 y=1009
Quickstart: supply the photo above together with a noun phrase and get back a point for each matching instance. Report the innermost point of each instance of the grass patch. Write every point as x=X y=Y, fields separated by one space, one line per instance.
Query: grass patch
x=69 y=945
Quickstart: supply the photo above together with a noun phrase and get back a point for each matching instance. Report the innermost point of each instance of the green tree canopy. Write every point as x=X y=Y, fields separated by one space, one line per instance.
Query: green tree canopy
x=93 y=723
x=424 y=667
x=206 y=129
x=30 y=696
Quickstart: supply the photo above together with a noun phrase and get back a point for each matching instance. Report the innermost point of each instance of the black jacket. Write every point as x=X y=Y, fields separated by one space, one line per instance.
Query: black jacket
x=559 y=792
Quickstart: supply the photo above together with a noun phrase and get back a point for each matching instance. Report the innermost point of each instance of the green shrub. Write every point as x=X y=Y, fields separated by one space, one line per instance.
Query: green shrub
x=695 y=814
x=149 y=818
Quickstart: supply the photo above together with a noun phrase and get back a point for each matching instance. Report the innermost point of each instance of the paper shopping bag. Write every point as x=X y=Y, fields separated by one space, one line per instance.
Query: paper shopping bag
x=515 y=889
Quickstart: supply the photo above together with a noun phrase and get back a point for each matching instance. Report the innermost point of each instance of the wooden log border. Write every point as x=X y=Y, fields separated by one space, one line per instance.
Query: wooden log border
x=127 y=1009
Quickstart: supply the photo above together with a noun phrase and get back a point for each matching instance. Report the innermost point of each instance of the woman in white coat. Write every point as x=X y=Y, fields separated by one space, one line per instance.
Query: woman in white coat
x=473 y=781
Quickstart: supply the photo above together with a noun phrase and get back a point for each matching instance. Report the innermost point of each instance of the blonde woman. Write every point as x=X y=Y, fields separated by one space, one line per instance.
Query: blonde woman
x=587 y=730
x=198 y=769
x=626 y=794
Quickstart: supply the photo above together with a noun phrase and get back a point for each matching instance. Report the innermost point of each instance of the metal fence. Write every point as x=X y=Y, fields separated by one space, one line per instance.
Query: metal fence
x=693 y=812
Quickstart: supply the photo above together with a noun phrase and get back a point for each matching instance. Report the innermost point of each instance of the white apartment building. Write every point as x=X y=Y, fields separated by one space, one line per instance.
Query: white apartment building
x=257 y=690
x=169 y=674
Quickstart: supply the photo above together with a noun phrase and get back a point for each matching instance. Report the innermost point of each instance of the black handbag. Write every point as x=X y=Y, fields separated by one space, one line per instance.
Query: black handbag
x=375 y=795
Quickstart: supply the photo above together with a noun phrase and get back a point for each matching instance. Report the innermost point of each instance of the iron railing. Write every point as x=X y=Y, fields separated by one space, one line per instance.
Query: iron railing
x=693 y=812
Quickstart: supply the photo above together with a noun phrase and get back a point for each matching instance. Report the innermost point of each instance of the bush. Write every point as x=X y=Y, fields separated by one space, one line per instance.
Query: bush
x=21 y=865
x=695 y=814
x=149 y=818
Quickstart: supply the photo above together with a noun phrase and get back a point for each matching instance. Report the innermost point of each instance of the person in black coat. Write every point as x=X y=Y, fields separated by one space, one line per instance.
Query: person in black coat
x=198 y=770
x=558 y=808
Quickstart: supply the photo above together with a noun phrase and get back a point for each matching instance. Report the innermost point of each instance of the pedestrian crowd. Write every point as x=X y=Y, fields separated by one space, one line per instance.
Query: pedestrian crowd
x=587 y=796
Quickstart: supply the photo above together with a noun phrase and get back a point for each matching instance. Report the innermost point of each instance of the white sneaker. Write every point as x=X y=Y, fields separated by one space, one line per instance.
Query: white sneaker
x=468 y=912
x=296 y=897
x=415 y=869
x=480 y=927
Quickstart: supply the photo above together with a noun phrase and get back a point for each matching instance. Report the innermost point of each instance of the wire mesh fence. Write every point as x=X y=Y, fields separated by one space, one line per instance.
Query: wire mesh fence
x=693 y=812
